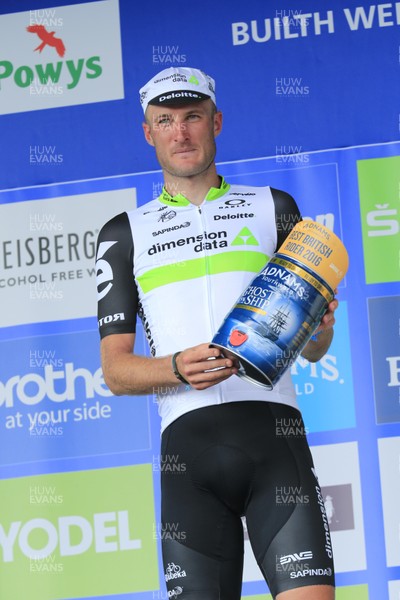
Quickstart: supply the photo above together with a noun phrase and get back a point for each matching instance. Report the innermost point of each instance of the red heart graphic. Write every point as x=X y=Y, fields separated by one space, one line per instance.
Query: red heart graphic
x=237 y=338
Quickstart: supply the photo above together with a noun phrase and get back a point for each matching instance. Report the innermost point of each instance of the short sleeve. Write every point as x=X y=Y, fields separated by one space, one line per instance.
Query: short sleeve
x=287 y=214
x=117 y=297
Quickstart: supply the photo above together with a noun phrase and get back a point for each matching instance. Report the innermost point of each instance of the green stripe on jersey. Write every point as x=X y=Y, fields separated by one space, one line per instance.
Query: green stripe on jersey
x=180 y=200
x=224 y=262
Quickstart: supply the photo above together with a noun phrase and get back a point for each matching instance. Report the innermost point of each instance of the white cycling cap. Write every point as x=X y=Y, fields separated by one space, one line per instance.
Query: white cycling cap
x=177 y=85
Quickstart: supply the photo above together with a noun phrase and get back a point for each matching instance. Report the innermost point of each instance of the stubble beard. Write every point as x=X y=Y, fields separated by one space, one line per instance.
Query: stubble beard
x=167 y=167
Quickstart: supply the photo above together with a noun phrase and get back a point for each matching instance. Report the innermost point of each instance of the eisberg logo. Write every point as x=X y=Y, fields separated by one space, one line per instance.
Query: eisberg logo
x=42 y=250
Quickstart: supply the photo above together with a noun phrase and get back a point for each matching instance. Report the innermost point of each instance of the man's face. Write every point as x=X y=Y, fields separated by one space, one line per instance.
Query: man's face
x=184 y=137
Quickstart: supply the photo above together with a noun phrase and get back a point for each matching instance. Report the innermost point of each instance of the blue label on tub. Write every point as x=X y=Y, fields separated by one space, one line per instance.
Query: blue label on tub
x=271 y=321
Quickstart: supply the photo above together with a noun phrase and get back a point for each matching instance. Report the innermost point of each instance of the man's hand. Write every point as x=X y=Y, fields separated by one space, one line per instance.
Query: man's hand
x=203 y=367
x=328 y=320
x=315 y=349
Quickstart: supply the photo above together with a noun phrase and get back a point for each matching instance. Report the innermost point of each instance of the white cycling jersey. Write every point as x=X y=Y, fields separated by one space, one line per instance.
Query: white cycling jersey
x=181 y=268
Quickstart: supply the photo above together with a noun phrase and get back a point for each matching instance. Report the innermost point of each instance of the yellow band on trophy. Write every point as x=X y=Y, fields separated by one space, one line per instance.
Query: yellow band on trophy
x=304 y=275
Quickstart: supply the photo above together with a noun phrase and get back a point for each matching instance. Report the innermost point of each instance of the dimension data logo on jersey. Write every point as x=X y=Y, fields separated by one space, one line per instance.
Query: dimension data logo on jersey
x=331 y=379
x=54 y=402
x=78 y=534
x=60 y=56
x=384 y=328
x=211 y=240
x=378 y=182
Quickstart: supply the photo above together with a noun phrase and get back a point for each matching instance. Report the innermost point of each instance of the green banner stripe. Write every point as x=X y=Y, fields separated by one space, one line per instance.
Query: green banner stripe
x=353 y=592
x=198 y=267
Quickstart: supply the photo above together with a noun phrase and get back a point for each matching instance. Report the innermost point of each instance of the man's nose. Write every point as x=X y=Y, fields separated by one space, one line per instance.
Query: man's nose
x=181 y=132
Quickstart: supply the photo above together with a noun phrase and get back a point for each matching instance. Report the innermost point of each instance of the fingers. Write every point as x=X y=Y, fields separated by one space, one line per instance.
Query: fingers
x=203 y=366
x=328 y=320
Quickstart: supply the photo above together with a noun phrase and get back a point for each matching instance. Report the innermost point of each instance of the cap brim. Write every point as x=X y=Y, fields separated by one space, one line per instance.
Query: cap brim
x=177 y=98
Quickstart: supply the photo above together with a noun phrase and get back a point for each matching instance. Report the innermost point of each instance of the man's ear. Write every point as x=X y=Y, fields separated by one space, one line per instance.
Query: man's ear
x=217 y=123
x=147 y=133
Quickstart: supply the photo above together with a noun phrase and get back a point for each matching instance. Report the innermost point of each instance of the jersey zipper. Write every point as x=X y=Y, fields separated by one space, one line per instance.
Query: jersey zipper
x=210 y=313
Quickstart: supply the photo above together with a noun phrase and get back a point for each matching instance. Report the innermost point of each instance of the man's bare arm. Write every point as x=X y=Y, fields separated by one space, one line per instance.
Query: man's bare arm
x=126 y=373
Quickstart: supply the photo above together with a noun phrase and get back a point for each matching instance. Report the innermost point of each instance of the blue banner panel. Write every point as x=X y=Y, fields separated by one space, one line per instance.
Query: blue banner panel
x=311 y=77
x=384 y=327
x=54 y=402
x=325 y=389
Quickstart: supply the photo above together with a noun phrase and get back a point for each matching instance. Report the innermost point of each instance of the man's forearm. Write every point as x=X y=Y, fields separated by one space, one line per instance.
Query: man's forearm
x=126 y=373
x=315 y=349
x=138 y=375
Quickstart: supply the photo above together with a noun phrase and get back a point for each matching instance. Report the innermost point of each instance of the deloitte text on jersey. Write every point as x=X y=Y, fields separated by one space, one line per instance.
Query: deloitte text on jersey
x=277 y=314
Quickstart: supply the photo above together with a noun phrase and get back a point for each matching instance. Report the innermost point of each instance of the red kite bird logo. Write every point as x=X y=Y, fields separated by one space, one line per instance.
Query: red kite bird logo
x=47 y=38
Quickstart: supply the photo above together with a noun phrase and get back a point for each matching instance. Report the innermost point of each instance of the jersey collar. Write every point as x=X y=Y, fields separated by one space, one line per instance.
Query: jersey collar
x=180 y=200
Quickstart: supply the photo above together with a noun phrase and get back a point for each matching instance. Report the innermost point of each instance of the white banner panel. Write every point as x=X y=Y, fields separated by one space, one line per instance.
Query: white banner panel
x=338 y=471
x=394 y=590
x=389 y=462
x=47 y=269
x=60 y=57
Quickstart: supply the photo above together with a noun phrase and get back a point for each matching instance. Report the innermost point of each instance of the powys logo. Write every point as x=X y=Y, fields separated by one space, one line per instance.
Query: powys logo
x=66 y=68
x=47 y=38
x=105 y=541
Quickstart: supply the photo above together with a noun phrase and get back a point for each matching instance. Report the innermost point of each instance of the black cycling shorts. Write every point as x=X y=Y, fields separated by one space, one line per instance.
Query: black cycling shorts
x=249 y=459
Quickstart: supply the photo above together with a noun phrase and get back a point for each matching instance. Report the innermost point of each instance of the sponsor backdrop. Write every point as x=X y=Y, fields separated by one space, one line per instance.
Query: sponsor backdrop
x=308 y=109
